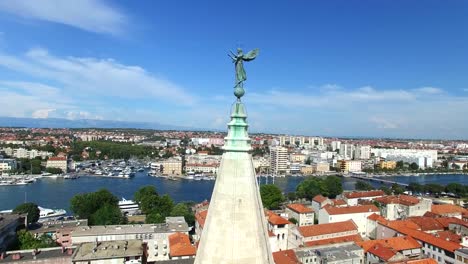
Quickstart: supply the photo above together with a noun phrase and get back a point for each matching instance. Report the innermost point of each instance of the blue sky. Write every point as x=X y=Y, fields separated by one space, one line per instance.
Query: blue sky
x=331 y=68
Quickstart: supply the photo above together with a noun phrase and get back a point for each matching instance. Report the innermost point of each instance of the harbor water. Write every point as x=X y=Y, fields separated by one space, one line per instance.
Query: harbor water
x=56 y=193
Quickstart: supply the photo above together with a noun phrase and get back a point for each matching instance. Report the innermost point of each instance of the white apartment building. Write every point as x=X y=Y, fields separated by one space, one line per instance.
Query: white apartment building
x=358 y=214
x=423 y=157
x=349 y=165
x=335 y=145
x=57 y=162
x=303 y=214
x=278 y=160
x=362 y=152
x=27 y=154
x=301 y=140
x=7 y=164
x=347 y=151
x=403 y=206
x=353 y=198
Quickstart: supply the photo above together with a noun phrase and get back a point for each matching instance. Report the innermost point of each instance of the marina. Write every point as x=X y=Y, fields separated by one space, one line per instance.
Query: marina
x=56 y=192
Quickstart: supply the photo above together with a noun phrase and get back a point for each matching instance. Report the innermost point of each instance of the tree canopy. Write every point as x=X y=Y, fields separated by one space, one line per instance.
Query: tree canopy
x=272 y=197
x=330 y=186
x=28 y=208
x=100 y=207
x=363 y=186
x=26 y=240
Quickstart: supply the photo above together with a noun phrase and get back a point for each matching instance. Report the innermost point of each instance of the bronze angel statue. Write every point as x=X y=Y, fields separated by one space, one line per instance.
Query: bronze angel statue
x=238 y=60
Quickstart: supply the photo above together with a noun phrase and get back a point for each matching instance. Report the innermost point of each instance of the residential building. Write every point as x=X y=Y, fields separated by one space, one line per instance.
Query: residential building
x=55 y=255
x=424 y=158
x=320 y=167
x=347 y=151
x=120 y=251
x=318 y=202
x=392 y=249
x=261 y=164
x=362 y=152
x=349 y=165
x=180 y=246
x=448 y=210
x=202 y=168
x=278 y=226
x=85 y=234
x=335 y=145
x=172 y=166
x=303 y=214
x=358 y=214
x=353 y=198
x=285 y=257
x=461 y=256
x=323 y=234
x=60 y=231
x=297 y=158
x=278 y=160
x=7 y=164
x=57 y=162
x=344 y=253
x=402 y=206
x=307 y=169
x=389 y=165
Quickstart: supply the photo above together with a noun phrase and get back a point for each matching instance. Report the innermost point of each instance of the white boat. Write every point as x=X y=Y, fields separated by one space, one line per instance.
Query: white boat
x=20 y=182
x=45 y=213
x=128 y=207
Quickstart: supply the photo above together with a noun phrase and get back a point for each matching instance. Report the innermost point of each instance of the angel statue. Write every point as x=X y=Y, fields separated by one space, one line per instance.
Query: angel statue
x=238 y=60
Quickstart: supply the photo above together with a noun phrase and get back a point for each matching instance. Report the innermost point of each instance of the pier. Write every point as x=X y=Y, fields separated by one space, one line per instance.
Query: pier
x=380 y=180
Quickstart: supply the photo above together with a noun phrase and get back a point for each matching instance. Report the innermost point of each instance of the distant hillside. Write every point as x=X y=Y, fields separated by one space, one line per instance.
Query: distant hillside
x=82 y=123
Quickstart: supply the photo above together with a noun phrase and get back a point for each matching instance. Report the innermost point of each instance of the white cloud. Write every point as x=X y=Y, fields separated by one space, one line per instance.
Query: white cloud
x=383 y=123
x=98 y=77
x=429 y=90
x=42 y=113
x=89 y=15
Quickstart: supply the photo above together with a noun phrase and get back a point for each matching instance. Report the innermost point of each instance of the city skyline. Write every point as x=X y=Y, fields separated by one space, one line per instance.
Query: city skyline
x=386 y=69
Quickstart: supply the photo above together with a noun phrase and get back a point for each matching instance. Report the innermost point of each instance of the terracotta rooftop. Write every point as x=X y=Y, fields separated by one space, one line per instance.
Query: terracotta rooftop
x=338 y=202
x=376 y=217
x=285 y=257
x=275 y=219
x=201 y=217
x=329 y=228
x=444 y=209
x=421 y=236
x=448 y=236
x=397 y=243
x=418 y=261
x=353 y=195
x=351 y=209
x=336 y=240
x=398 y=199
x=382 y=251
x=300 y=208
x=426 y=223
x=319 y=198
x=180 y=245
x=57 y=158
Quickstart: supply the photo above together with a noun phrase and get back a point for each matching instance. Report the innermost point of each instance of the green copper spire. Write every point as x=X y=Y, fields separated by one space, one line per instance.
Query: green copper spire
x=237 y=138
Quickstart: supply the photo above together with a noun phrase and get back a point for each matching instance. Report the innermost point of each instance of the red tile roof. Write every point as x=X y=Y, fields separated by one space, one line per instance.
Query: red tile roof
x=179 y=245
x=426 y=223
x=376 y=217
x=448 y=236
x=275 y=219
x=329 y=228
x=336 y=240
x=382 y=252
x=351 y=209
x=201 y=217
x=319 y=198
x=57 y=158
x=421 y=236
x=352 y=195
x=338 y=202
x=444 y=209
x=300 y=208
x=285 y=257
x=418 y=261
x=397 y=243
x=398 y=199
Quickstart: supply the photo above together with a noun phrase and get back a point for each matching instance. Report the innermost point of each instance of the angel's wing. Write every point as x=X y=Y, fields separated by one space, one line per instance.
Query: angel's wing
x=251 y=55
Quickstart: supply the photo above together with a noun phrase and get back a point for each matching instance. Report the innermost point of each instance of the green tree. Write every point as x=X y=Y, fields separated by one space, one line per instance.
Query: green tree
x=144 y=191
x=386 y=190
x=434 y=188
x=181 y=209
x=154 y=217
x=293 y=220
x=333 y=186
x=108 y=215
x=310 y=187
x=308 y=161
x=363 y=186
x=54 y=170
x=455 y=188
x=414 y=166
x=272 y=197
x=415 y=187
x=400 y=164
x=28 y=208
x=98 y=207
x=28 y=241
x=397 y=189
x=292 y=196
